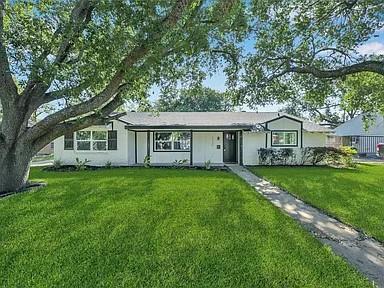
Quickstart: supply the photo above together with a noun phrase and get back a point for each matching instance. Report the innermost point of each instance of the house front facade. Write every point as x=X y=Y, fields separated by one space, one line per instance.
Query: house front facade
x=189 y=138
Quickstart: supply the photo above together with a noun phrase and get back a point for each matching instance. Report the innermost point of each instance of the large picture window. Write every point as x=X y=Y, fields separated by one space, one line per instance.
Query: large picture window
x=284 y=138
x=91 y=140
x=172 y=141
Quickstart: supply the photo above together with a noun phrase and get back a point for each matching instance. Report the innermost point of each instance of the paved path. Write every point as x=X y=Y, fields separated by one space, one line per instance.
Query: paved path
x=366 y=254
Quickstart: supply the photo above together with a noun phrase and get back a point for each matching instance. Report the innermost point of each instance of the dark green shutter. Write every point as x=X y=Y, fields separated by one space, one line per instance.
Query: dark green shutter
x=112 y=140
x=68 y=141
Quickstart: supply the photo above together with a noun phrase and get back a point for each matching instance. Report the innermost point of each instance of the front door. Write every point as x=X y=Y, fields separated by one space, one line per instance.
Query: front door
x=229 y=146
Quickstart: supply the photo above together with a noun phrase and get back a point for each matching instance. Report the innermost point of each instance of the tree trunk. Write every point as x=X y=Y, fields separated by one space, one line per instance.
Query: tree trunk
x=14 y=168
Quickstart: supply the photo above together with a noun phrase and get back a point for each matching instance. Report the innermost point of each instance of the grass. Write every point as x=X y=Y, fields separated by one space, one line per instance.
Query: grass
x=355 y=196
x=157 y=228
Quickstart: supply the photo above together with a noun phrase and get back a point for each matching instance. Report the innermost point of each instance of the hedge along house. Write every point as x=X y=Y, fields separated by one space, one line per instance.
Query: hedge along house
x=365 y=139
x=191 y=138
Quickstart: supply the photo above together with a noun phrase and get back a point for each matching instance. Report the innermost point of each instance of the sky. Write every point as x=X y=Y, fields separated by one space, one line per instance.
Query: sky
x=375 y=45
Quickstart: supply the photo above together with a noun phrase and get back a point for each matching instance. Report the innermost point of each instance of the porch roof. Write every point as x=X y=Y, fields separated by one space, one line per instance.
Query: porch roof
x=210 y=120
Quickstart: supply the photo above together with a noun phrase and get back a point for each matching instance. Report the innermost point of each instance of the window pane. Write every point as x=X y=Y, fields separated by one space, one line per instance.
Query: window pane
x=181 y=140
x=181 y=145
x=83 y=145
x=163 y=136
x=163 y=145
x=290 y=138
x=284 y=138
x=278 y=138
x=99 y=145
x=83 y=135
x=99 y=135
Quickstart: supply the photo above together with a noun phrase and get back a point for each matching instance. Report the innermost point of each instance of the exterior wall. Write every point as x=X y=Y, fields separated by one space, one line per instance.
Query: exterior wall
x=131 y=147
x=284 y=124
x=314 y=139
x=97 y=158
x=166 y=157
x=207 y=146
x=141 y=149
x=252 y=142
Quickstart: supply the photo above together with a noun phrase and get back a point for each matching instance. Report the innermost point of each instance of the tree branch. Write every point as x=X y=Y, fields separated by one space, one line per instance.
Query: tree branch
x=366 y=66
x=114 y=86
x=8 y=88
x=80 y=17
x=98 y=118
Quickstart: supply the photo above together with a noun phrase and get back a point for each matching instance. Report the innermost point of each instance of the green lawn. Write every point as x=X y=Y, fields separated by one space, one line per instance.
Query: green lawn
x=157 y=228
x=354 y=196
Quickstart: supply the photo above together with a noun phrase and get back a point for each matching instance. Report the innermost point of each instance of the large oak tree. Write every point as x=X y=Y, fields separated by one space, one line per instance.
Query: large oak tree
x=83 y=57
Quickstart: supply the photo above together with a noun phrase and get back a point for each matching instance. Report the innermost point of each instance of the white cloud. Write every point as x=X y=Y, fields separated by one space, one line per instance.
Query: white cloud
x=372 y=48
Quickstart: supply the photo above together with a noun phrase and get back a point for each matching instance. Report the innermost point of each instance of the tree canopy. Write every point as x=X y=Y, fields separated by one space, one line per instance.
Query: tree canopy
x=300 y=47
x=198 y=99
x=85 y=56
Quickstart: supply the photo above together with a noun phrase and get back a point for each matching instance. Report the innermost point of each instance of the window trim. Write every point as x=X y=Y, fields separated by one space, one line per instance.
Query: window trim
x=171 y=151
x=91 y=142
x=285 y=145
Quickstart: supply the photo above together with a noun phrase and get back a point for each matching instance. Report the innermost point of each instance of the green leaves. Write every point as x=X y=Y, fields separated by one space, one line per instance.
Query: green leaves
x=197 y=99
x=315 y=35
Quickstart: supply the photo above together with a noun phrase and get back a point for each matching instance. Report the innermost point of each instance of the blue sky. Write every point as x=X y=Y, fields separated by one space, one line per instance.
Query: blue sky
x=375 y=45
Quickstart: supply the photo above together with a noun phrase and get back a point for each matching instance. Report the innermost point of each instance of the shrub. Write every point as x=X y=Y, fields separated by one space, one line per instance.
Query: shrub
x=57 y=164
x=81 y=165
x=147 y=161
x=286 y=155
x=306 y=154
x=270 y=156
x=319 y=154
x=347 y=156
x=267 y=156
x=179 y=163
x=108 y=165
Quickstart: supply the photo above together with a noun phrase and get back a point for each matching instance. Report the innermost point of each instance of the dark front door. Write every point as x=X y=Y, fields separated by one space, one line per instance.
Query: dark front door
x=229 y=146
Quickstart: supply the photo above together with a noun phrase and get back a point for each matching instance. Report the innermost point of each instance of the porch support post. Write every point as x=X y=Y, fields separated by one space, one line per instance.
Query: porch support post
x=148 y=144
x=191 y=150
x=241 y=146
x=135 y=147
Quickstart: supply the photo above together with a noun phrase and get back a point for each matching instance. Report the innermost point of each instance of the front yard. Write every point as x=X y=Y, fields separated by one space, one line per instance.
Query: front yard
x=354 y=196
x=158 y=228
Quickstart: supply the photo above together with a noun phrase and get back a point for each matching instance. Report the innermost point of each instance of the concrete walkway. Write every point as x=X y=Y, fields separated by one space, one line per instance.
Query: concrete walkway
x=366 y=254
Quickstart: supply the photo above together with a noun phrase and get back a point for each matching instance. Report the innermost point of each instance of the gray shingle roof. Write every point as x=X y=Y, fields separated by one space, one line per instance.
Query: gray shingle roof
x=356 y=127
x=210 y=119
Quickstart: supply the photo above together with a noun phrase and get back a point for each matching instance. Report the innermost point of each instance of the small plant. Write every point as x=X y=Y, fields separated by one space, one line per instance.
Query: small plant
x=57 y=164
x=147 y=161
x=207 y=165
x=81 y=165
x=181 y=162
x=108 y=165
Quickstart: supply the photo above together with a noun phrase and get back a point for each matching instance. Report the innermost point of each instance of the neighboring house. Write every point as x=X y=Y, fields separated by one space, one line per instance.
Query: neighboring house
x=354 y=133
x=192 y=137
